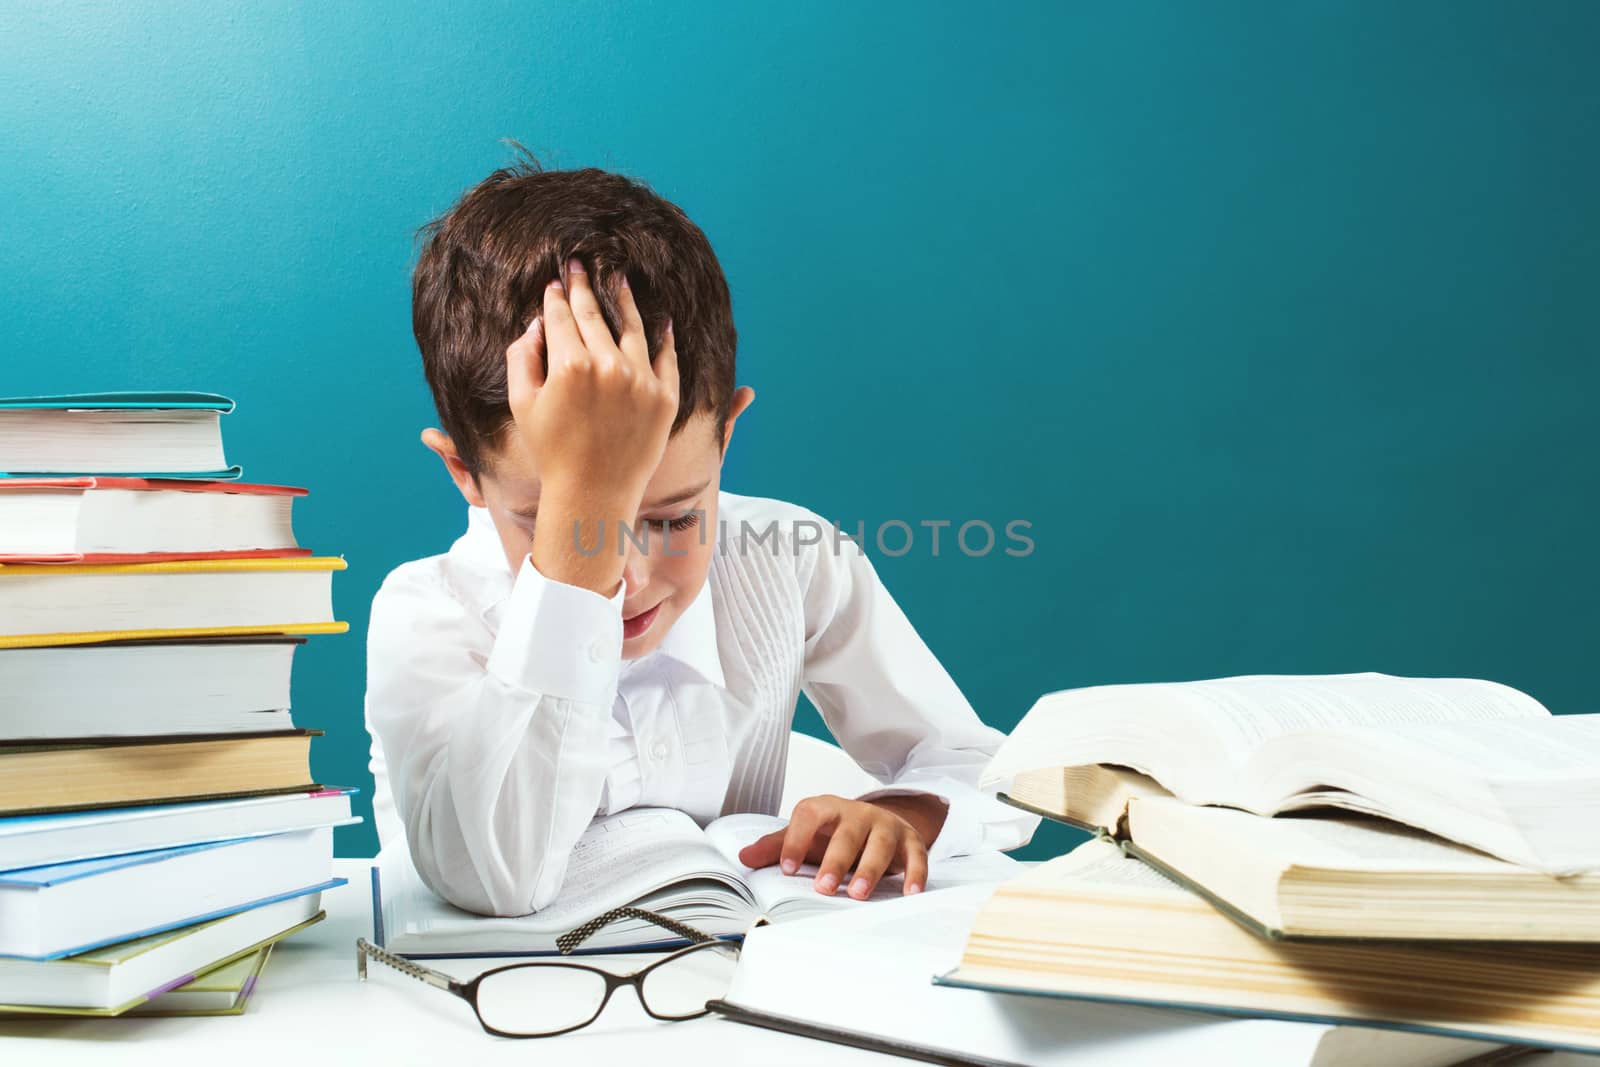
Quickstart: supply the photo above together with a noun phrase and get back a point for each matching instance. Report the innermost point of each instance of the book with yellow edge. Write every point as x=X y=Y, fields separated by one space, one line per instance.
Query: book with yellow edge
x=66 y=604
x=1098 y=925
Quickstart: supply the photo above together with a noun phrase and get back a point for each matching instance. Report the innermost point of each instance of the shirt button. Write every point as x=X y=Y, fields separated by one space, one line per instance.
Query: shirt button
x=597 y=650
x=660 y=750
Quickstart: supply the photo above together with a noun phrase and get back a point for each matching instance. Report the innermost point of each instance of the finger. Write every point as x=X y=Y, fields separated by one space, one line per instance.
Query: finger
x=525 y=366
x=841 y=855
x=915 y=856
x=882 y=845
x=561 y=338
x=634 y=344
x=764 y=851
x=666 y=361
x=804 y=823
x=586 y=312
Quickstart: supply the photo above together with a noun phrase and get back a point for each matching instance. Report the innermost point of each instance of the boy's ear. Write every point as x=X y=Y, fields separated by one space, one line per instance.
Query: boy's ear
x=441 y=446
x=743 y=397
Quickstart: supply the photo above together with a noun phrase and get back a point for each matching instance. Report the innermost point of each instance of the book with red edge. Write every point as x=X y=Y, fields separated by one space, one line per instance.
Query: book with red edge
x=93 y=519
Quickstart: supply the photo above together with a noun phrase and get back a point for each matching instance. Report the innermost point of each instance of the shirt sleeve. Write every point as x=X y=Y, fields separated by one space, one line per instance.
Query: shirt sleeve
x=495 y=739
x=892 y=705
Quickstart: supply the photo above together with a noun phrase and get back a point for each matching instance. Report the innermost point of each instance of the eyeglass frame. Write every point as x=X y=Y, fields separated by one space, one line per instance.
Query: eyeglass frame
x=565 y=944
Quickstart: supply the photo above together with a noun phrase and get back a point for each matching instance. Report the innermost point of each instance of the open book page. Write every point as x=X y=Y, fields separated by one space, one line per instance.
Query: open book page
x=1352 y=843
x=1193 y=737
x=1525 y=790
x=635 y=856
x=778 y=893
x=1100 y=866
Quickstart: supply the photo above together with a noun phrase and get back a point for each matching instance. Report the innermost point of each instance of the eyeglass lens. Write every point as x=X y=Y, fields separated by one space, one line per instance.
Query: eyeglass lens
x=540 y=999
x=679 y=987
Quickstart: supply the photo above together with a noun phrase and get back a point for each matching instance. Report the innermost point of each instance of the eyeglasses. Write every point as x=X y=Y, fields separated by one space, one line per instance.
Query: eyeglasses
x=547 y=997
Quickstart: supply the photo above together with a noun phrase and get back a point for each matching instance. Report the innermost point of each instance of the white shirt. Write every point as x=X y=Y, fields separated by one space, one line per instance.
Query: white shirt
x=509 y=720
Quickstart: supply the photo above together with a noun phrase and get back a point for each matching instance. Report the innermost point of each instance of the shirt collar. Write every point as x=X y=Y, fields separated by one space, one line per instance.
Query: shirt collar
x=692 y=641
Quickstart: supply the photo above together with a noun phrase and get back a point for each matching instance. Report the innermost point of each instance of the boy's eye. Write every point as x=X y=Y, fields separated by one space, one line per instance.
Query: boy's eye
x=682 y=522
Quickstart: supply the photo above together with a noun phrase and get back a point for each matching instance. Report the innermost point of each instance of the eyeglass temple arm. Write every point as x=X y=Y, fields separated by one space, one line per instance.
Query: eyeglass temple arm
x=569 y=941
x=365 y=948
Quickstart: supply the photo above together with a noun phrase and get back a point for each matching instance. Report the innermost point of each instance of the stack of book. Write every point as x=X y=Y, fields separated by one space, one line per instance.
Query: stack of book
x=1401 y=853
x=160 y=829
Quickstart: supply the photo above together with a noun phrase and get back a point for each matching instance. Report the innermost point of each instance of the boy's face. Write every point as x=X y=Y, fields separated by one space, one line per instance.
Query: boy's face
x=666 y=574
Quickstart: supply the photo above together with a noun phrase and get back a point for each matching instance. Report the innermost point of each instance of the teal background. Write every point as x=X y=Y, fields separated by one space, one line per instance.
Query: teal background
x=1278 y=321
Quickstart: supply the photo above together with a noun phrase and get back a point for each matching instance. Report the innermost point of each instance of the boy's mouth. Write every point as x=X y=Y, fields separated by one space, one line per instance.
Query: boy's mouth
x=637 y=625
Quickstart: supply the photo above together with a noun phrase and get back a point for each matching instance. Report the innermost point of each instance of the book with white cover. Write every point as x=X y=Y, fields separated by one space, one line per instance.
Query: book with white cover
x=654 y=858
x=41 y=840
x=864 y=978
x=1472 y=761
x=146 y=434
x=147 y=688
x=67 y=908
x=114 y=979
x=106 y=520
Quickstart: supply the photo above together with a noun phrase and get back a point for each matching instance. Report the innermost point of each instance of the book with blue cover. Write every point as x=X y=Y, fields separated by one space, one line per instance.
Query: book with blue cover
x=136 y=434
x=68 y=908
x=44 y=840
x=122 y=977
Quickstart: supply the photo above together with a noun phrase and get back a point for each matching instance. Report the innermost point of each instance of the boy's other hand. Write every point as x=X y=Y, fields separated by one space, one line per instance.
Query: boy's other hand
x=890 y=835
x=602 y=412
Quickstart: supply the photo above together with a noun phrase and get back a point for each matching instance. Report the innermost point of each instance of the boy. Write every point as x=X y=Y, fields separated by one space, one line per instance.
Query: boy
x=646 y=639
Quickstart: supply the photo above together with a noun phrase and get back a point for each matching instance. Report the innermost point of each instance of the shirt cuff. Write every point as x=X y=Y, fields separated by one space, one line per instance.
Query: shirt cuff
x=559 y=639
x=968 y=816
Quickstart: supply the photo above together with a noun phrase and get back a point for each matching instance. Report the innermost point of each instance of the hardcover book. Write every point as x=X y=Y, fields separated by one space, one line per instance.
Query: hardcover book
x=155 y=435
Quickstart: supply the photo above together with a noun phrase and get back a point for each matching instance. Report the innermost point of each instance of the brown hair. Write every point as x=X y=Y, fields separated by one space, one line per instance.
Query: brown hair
x=480 y=279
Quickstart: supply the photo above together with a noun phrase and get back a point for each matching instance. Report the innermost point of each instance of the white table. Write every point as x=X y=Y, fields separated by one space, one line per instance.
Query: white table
x=311 y=1011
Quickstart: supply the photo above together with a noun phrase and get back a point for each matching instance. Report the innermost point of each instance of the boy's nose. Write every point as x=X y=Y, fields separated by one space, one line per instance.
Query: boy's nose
x=635 y=568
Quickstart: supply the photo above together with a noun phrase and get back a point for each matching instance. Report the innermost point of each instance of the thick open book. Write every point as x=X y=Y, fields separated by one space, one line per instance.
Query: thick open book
x=1098 y=925
x=1325 y=874
x=1473 y=761
x=654 y=858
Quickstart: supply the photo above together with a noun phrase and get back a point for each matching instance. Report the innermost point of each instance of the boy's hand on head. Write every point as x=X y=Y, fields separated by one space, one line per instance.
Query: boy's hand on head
x=602 y=412
x=596 y=422
x=873 y=838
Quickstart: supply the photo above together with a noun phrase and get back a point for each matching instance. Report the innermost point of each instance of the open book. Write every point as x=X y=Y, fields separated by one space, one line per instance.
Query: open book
x=1097 y=925
x=654 y=858
x=1473 y=761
